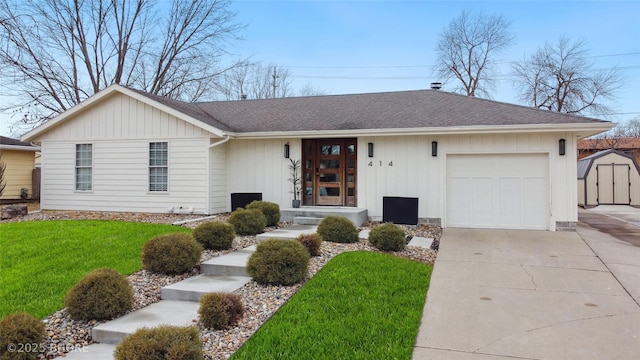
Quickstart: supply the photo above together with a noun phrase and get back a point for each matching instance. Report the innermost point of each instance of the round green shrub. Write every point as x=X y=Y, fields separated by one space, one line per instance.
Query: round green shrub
x=20 y=328
x=388 y=237
x=163 y=342
x=102 y=294
x=171 y=254
x=220 y=310
x=338 y=229
x=214 y=235
x=311 y=242
x=271 y=211
x=278 y=262
x=248 y=221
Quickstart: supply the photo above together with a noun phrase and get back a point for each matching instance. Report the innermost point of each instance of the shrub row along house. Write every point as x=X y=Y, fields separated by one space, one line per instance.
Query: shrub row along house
x=467 y=162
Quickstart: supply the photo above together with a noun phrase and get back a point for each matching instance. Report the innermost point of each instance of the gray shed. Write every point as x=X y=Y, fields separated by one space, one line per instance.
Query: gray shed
x=608 y=177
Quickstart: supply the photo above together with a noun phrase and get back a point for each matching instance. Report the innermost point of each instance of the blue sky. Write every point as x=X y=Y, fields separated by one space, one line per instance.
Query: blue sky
x=372 y=46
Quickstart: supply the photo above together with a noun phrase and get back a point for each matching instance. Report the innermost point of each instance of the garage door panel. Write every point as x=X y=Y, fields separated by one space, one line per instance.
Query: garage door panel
x=498 y=191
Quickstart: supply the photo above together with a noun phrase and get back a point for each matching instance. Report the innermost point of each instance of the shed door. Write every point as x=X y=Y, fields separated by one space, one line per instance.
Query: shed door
x=613 y=184
x=498 y=191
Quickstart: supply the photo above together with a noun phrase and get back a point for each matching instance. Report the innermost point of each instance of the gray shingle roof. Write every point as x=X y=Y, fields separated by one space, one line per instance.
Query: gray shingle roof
x=388 y=110
x=13 y=142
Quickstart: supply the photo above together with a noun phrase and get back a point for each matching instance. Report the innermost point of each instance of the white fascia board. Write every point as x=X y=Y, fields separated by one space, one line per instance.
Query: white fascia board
x=29 y=136
x=581 y=128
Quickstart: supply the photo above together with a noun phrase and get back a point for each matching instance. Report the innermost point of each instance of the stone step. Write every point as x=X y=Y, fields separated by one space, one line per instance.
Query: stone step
x=92 y=352
x=232 y=264
x=305 y=220
x=290 y=233
x=165 y=312
x=421 y=242
x=193 y=288
x=357 y=215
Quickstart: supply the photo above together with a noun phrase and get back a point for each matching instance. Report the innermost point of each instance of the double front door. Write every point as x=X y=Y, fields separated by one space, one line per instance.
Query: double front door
x=329 y=172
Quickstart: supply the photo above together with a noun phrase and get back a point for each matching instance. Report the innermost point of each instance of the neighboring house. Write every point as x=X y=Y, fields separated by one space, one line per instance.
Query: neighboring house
x=608 y=177
x=629 y=146
x=19 y=159
x=470 y=162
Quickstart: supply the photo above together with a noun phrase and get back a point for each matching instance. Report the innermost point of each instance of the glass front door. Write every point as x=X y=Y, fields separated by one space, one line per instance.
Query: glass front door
x=329 y=172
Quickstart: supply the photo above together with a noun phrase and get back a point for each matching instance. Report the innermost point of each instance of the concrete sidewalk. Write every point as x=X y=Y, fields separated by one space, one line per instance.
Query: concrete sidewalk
x=499 y=294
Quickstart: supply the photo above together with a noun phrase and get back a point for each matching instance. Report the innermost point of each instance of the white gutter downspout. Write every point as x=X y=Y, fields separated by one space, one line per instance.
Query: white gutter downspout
x=220 y=142
x=227 y=138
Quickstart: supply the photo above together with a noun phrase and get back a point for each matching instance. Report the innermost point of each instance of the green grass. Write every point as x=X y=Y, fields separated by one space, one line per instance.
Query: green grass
x=41 y=260
x=361 y=305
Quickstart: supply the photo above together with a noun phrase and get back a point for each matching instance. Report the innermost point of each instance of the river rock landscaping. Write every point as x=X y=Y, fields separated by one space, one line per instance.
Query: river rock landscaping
x=261 y=302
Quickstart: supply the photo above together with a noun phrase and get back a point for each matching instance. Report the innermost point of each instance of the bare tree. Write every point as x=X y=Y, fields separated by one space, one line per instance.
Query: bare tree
x=560 y=77
x=3 y=169
x=56 y=53
x=256 y=81
x=467 y=48
x=309 y=90
x=631 y=129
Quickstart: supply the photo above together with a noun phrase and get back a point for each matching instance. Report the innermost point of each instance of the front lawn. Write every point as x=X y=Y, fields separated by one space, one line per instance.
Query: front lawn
x=361 y=305
x=41 y=260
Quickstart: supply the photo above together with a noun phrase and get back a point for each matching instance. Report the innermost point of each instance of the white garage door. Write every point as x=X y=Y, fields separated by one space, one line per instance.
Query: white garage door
x=498 y=191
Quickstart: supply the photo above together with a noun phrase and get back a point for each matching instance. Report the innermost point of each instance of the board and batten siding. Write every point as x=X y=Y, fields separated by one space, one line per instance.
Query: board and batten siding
x=120 y=129
x=404 y=166
x=259 y=166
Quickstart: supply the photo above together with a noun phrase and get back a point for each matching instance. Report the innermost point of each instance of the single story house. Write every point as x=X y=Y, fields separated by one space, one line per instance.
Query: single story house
x=469 y=162
x=19 y=161
x=609 y=177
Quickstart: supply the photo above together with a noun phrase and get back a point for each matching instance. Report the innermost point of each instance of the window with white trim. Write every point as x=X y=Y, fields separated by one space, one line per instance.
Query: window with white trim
x=158 y=166
x=84 y=167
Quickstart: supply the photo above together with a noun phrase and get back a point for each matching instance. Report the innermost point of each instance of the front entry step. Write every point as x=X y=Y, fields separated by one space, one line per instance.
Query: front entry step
x=165 y=312
x=232 y=264
x=193 y=288
x=303 y=220
x=290 y=233
x=357 y=216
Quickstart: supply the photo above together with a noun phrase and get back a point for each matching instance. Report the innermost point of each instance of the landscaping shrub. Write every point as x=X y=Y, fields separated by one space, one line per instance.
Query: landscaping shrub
x=271 y=211
x=171 y=254
x=220 y=310
x=311 y=242
x=278 y=262
x=214 y=235
x=338 y=229
x=20 y=337
x=163 y=342
x=248 y=221
x=387 y=237
x=101 y=295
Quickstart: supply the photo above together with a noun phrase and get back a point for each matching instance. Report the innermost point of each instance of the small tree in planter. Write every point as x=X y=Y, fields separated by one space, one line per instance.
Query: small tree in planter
x=296 y=181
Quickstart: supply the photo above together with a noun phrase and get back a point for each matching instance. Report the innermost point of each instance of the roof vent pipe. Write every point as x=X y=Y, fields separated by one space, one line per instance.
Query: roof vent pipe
x=243 y=96
x=436 y=85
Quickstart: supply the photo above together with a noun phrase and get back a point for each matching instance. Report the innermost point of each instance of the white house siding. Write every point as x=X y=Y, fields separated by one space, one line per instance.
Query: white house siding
x=415 y=173
x=219 y=196
x=260 y=166
x=120 y=129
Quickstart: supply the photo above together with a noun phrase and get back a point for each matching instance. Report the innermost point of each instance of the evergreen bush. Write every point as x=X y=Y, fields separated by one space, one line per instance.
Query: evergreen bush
x=311 y=242
x=102 y=294
x=278 y=262
x=338 y=229
x=171 y=254
x=248 y=221
x=21 y=336
x=214 y=235
x=163 y=342
x=271 y=211
x=388 y=237
x=220 y=310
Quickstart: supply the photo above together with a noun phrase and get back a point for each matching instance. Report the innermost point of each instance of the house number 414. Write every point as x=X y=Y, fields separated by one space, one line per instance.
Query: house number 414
x=390 y=163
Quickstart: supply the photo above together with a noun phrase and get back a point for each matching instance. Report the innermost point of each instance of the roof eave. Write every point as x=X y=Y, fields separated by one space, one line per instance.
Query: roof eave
x=19 y=148
x=581 y=130
x=35 y=133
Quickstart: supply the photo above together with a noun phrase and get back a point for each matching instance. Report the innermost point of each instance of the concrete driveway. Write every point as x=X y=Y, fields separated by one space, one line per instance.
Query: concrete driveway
x=498 y=294
x=619 y=221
